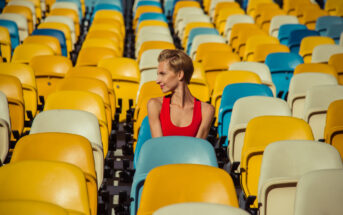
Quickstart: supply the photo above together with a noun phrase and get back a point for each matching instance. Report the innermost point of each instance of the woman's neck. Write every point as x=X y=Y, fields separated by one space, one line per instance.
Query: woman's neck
x=182 y=96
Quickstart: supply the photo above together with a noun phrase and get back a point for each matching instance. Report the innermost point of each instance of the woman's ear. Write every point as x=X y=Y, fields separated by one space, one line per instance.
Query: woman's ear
x=181 y=75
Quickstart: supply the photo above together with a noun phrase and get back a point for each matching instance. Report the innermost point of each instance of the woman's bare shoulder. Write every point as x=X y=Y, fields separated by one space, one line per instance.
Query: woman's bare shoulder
x=155 y=103
x=207 y=109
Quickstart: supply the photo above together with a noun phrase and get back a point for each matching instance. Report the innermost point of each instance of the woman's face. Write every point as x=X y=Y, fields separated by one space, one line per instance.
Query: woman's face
x=166 y=77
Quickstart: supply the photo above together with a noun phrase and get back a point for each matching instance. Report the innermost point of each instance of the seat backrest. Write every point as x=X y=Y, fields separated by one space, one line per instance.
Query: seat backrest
x=280 y=174
x=262 y=51
x=13 y=30
x=54 y=33
x=149 y=59
x=151 y=37
x=323 y=22
x=199 y=208
x=278 y=21
x=283 y=62
x=315 y=67
x=334 y=31
x=29 y=207
x=143 y=135
x=313 y=196
x=242 y=113
x=285 y=31
x=25 y=52
x=333 y=126
x=299 y=85
x=51 y=41
x=5 y=43
x=260 y=132
x=91 y=56
x=154 y=45
x=318 y=99
x=322 y=53
x=336 y=61
x=309 y=43
x=296 y=36
x=204 y=191
x=21 y=22
x=204 y=48
x=46 y=180
x=199 y=31
x=253 y=42
x=64 y=20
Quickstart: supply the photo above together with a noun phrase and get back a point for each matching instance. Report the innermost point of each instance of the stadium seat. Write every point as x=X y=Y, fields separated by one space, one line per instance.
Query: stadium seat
x=5 y=43
x=281 y=66
x=200 y=39
x=62 y=147
x=198 y=84
x=324 y=22
x=70 y=14
x=51 y=41
x=12 y=88
x=54 y=33
x=21 y=22
x=5 y=127
x=24 y=53
x=80 y=100
x=43 y=181
x=172 y=150
x=154 y=45
x=260 y=132
x=230 y=77
x=196 y=32
x=145 y=9
x=322 y=53
x=29 y=207
x=285 y=31
x=233 y=19
x=280 y=174
x=332 y=6
x=204 y=191
x=296 y=37
x=73 y=122
x=21 y=10
x=311 y=15
x=49 y=71
x=315 y=67
x=299 y=85
x=103 y=43
x=235 y=31
x=279 y=20
x=204 y=48
x=336 y=61
x=242 y=113
x=14 y=32
x=189 y=18
x=215 y=16
x=333 y=126
x=318 y=99
x=91 y=56
x=151 y=37
x=309 y=43
x=262 y=51
x=28 y=4
x=313 y=196
x=27 y=79
x=253 y=42
x=200 y=209
x=334 y=32
x=144 y=134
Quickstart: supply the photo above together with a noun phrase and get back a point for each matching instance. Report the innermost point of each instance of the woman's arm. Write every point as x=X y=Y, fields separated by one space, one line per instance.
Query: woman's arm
x=207 y=114
x=154 y=109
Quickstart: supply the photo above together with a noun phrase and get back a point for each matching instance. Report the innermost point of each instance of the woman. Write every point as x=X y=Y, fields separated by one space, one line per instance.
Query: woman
x=177 y=114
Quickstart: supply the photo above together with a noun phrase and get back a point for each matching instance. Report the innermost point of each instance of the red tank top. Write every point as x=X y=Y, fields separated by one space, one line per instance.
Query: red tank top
x=169 y=129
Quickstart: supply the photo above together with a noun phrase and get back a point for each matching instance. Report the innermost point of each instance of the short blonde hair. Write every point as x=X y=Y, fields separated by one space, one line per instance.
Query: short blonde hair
x=178 y=60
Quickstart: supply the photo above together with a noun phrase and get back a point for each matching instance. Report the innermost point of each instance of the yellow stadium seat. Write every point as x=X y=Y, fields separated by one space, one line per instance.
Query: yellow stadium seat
x=336 y=61
x=68 y=13
x=230 y=77
x=100 y=74
x=254 y=41
x=90 y=85
x=263 y=50
x=45 y=181
x=24 y=53
x=103 y=43
x=264 y=14
x=63 y=147
x=253 y=4
x=224 y=15
x=189 y=27
x=290 y=6
x=198 y=84
x=144 y=9
x=209 y=184
x=315 y=67
x=81 y=100
x=62 y=27
x=243 y=37
x=221 y=6
x=49 y=71
x=236 y=31
x=331 y=6
x=216 y=62
x=22 y=10
x=210 y=47
x=5 y=44
x=181 y=4
x=260 y=132
x=107 y=27
x=26 y=76
x=92 y=55
x=109 y=14
x=310 y=17
x=52 y=42
x=103 y=34
x=29 y=207
x=154 y=45
x=112 y=22
x=11 y=87
x=334 y=126
x=125 y=80
x=308 y=43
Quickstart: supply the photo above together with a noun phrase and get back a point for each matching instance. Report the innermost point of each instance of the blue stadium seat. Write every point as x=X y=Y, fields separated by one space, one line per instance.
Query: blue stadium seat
x=281 y=66
x=78 y=3
x=334 y=31
x=55 y=33
x=143 y=135
x=106 y=6
x=113 y=2
x=169 y=150
x=152 y=16
x=13 y=30
x=286 y=30
x=296 y=37
x=230 y=95
x=198 y=31
x=148 y=3
x=324 y=22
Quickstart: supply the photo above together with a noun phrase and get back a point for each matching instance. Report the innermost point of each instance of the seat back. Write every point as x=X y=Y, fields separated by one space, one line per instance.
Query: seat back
x=242 y=113
x=253 y=42
x=299 y=85
x=21 y=10
x=57 y=34
x=260 y=132
x=5 y=43
x=46 y=180
x=309 y=43
x=280 y=174
x=277 y=21
x=51 y=41
x=64 y=147
x=21 y=22
x=13 y=30
x=322 y=53
x=318 y=99
x=324 y=22
x=336 y=61
x=313 y=196
x=24 y=53
x=296 y=37
x=285 y=31
x=29 y=207
x=203 y=191
x=262 y=51
x=73 y=122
